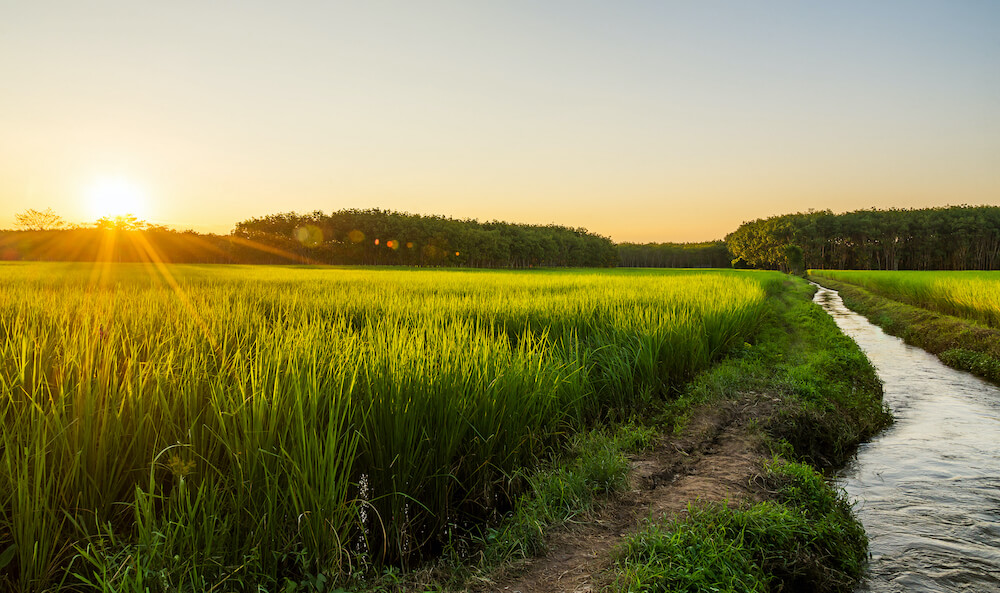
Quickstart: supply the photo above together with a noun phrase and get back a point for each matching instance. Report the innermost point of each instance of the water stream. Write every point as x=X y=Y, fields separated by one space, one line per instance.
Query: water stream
x=928 y=488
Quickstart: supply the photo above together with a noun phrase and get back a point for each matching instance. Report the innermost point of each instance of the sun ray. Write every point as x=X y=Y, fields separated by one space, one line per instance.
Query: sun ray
x=275 y=251
x=154 y=258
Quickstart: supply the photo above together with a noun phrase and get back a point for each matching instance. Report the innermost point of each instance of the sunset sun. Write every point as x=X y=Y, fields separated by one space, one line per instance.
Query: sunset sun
x=116 y=196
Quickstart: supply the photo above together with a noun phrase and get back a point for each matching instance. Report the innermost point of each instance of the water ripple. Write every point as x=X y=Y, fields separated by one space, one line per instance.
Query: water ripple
x=927 y=489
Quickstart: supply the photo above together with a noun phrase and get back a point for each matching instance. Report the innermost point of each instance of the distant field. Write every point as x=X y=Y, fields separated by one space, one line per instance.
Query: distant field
x=206 y=420
x=972 y=295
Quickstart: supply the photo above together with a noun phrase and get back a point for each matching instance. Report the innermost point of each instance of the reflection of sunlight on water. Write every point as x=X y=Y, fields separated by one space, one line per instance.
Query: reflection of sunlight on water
x=927 y=488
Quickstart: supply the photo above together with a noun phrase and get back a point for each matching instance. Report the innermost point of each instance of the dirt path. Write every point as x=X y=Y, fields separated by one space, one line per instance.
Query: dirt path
x=714 y=460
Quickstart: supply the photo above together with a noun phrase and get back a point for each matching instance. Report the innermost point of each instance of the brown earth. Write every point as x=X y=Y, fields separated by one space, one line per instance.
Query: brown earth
x=716 y=458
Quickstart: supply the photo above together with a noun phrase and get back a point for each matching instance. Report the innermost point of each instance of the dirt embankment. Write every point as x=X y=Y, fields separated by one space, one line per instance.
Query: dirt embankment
x=715 y=459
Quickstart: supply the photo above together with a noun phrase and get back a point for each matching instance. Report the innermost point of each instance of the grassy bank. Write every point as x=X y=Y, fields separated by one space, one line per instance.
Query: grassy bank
x=802 y=537
x=960 y=342
x=815 y=398
x=821 y=398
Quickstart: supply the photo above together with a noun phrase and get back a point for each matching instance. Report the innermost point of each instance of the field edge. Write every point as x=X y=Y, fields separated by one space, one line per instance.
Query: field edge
x=959 y=343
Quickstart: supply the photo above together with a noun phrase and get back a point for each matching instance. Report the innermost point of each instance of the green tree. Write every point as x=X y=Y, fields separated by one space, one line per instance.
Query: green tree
x=793 y=259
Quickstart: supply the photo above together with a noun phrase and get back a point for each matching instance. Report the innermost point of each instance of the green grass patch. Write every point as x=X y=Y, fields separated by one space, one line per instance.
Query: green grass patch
x=595 y=465
x=812 y=396
x=803 y=538
x=977 y=363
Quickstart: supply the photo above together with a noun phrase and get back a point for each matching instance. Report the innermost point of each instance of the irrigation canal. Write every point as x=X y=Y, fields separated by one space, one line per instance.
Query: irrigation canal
x=927 y=489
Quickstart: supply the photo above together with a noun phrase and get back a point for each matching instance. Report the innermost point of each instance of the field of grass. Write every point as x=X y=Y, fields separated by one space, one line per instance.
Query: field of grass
x=971 y=295
x=193 y=427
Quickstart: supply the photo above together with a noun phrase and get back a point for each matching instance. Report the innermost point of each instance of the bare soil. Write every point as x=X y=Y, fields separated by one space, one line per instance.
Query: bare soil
x=716 y=458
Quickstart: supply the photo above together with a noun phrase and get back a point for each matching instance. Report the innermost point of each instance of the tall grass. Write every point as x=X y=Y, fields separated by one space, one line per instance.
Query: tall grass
x=193 y=427
x=971 y=295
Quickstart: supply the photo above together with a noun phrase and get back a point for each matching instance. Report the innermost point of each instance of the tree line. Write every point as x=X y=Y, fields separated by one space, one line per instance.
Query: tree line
x=384 y=237
x=944 y=238
x=367 y=237
x=94 y=244
x=709 y=254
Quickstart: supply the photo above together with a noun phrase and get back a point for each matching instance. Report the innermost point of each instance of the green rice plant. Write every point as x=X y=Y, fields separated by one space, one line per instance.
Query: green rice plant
x=179 y=427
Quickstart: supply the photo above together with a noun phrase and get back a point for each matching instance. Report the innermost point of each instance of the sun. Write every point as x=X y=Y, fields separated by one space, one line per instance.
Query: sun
x=116 y=196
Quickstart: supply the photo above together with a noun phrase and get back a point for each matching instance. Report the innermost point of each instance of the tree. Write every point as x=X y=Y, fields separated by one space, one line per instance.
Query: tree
x=123 y=222
x=793 y=259
x=33 y=220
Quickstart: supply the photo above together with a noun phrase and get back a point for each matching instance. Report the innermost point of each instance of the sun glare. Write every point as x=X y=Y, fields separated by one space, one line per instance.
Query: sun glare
x=115 y=196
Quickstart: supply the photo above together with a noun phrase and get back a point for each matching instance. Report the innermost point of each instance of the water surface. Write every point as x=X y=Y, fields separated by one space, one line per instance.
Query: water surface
x=928 y=488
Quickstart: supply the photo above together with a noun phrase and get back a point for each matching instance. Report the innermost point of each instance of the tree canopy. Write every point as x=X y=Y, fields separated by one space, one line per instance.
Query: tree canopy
x=710 y=254
x=946 y=238
x=121 y=222
x=38 y=220
x=385 y=237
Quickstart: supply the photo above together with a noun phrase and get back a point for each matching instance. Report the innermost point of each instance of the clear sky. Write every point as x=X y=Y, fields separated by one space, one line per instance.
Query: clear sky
x=643 y=121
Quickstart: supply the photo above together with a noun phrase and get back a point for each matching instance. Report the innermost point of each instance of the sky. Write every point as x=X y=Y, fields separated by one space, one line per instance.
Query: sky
x=641 y=121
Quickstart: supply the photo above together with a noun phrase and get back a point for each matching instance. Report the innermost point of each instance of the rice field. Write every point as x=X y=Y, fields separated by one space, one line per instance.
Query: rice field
x=971 y=295
x=190 y=427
